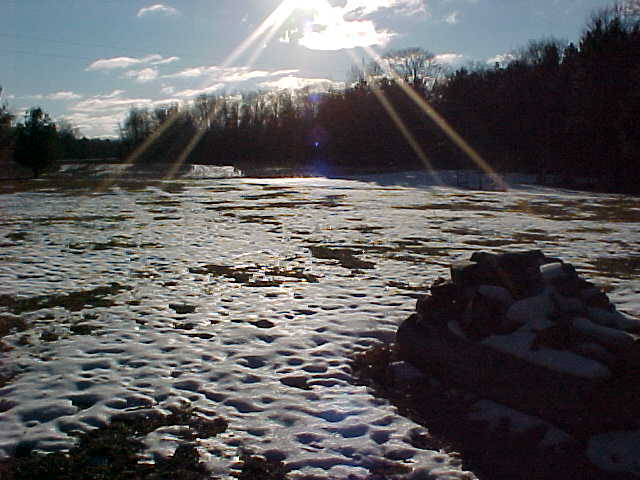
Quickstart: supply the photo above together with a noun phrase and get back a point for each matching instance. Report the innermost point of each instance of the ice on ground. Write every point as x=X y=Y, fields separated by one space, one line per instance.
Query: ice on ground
x=218 y=302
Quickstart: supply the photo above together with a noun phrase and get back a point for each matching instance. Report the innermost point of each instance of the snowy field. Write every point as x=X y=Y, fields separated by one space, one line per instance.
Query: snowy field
x=246 y=298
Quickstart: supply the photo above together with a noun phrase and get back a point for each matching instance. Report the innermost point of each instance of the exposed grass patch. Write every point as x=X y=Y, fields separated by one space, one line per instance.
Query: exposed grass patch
x=9 y=323
x=260 y=219
x=83 y=184
x=476 y=206
x=83 y=329
x=266 y=206
x=532 y=236
x=617 y=267
x=588 y=229
x=408 y=287
x=258 y=468
x=113 y=243
x=74 y=301
x=366 y=228
x=269 y=196
x=619 y=210
x=81 y=219
x=346 y=257
x=488 y=242
x=246 y=274
x=114 y=452
x=17 y=236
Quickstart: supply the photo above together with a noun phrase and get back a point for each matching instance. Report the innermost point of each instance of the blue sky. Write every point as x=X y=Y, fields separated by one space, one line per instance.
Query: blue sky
x=89 y=61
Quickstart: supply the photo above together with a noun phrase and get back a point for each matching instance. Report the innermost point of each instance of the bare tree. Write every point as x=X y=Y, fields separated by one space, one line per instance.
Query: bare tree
x=416 y=66
x=5 y=115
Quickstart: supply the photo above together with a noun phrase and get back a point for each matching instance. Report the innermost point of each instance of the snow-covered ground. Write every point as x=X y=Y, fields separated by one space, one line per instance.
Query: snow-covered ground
x=268 y=344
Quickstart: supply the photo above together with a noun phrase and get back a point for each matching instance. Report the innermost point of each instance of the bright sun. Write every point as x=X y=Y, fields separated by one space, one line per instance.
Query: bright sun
x=268 y=28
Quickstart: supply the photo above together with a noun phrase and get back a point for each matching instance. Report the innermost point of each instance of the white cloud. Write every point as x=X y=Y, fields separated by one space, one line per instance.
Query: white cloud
x=345 y=35
x=295 y=83
x=104 y=126
x=450 y=58
x=502 y=59
x=113 y=102
x=113 y=94
x=99 y=115
x=164 y=61
x=215 y=73
x=143 y=76
x=127 y=62
x=158 y=8
x=452 y=18
x=112 y=63
x=192 y=72
x=327 y=27
x=367 y=7
x=191 y=93
x=63 y=96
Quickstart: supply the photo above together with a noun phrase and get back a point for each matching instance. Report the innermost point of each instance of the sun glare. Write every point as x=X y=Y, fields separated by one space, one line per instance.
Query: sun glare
x=318 y=11
x=325 y=28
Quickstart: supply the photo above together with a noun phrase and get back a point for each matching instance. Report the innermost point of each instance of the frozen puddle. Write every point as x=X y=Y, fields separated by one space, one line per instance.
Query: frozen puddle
x=247 y=299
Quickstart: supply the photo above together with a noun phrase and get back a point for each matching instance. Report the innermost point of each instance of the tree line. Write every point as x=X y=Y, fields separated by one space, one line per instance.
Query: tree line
x=559 y=108
x=566 y=109
x=39 y=143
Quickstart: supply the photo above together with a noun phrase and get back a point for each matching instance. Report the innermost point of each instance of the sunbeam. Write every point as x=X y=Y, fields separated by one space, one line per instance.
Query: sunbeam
x=439 y=120
x=269 y=26
x=403 y=128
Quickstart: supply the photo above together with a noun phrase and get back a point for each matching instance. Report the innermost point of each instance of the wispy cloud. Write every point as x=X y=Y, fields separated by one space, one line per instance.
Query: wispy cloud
x=63 y=96
x=215 y=73
x=158 y=8
x=114 y=102
x=99 y=115
x=114 y=63
x=164 y=61
x=367 y=7
x=195 y=92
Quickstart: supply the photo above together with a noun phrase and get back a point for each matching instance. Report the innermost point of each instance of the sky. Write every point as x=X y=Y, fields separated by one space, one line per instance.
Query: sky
x=89 y=61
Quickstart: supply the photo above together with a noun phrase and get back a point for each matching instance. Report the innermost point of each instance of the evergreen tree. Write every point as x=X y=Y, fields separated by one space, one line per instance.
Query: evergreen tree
x=37 y=145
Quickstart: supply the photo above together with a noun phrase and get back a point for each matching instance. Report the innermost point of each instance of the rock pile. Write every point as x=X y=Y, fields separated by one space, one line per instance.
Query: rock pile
x=525 y=301
x=525 y=331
